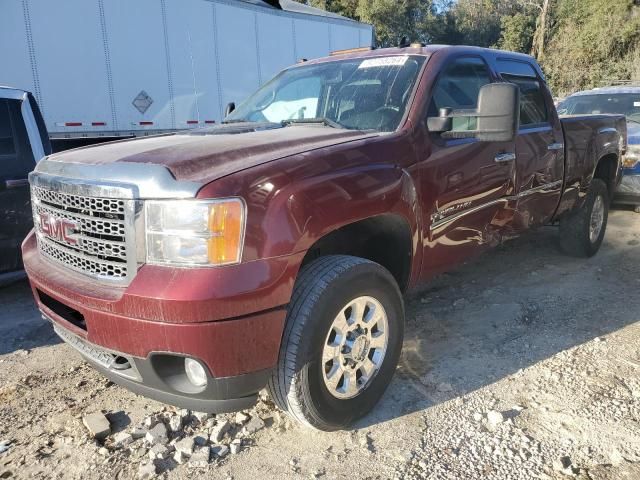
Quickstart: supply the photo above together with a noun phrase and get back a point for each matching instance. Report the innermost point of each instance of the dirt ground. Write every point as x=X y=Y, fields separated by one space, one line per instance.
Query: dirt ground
x=522 y=364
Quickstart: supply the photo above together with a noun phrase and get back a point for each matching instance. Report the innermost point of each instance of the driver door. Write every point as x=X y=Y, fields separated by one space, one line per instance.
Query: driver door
x=16 y=161
x=466 y=185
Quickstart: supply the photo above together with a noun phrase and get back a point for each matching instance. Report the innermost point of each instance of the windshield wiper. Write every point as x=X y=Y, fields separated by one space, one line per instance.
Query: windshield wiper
x=321 y=120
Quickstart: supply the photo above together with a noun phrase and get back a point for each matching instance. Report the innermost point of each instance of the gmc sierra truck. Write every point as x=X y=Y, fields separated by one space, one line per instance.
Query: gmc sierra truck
x=273 y=250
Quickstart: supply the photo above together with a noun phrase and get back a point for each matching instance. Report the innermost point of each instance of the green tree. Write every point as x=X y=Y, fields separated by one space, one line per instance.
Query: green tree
x=517 y=33
x=346 y=8
x=392 y=19
x=592 y=43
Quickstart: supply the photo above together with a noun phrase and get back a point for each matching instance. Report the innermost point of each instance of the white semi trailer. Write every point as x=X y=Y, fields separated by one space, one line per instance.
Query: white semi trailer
x=118 y=68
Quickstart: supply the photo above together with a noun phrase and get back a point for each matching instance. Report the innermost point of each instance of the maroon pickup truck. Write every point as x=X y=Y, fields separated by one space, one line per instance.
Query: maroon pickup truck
x=273 y=250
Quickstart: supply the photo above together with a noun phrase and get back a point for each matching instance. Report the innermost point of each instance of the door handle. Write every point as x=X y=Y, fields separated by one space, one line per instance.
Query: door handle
x=20 y=182
x=555 y=146
x=505 y=157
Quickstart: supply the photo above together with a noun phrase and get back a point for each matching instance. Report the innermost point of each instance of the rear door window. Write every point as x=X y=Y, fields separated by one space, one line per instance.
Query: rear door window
x=533 y=107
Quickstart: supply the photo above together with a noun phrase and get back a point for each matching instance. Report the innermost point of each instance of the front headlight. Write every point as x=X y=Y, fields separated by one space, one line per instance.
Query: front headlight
x=195 y=232
x=632 y=157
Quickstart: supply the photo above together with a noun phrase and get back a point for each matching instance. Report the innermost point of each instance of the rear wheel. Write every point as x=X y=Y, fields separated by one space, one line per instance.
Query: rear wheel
x=341 y=344
x=582 y=232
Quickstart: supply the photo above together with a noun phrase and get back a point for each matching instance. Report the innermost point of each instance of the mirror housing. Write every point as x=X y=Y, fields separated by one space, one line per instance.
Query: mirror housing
x=231 y=106
x=498 y=115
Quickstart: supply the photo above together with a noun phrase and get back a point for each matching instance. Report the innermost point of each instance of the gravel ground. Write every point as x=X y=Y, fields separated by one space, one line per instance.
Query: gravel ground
x=522 y=364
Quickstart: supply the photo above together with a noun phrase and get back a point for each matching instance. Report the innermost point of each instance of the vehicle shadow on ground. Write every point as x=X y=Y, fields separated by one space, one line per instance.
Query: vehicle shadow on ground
x=508 y=310
x=21 y=325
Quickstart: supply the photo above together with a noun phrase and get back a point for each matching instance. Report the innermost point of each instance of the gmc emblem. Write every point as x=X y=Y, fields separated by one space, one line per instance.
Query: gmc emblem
x=59 y=229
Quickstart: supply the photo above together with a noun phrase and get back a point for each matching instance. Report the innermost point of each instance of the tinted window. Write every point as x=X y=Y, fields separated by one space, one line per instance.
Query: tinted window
x=621 y=103
x=7 y=144
x=16 y=156
x=458 y=88
x=533 y=108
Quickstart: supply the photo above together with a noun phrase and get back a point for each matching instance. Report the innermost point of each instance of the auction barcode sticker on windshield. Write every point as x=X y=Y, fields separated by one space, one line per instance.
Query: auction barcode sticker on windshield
x=636 y=104
x=397 y=60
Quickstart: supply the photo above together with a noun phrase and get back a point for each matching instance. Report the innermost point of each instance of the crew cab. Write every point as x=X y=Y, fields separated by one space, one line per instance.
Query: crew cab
x=274 y=250
x=23 y=141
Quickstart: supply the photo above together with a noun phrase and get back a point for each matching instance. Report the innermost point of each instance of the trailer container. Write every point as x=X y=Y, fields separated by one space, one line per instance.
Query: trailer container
x=103 y=69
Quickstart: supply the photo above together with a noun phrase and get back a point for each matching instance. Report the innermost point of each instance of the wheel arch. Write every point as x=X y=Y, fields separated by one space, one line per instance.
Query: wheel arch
x=606 y=169
x=385 y=239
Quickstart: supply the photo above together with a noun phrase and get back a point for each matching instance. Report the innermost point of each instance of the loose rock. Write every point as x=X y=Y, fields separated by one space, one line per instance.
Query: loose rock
x=236 y=446
x=242 y=418
x=159 y=451
x=186 y=446
x=218 y=431
x=201 y=416
x=254 y=425
x=200 y=458
x=563 y=465
x=494 y=417
x=180 y=457
x=138 y=433
x=220 y=451
x=122 y=439
x=174 y=423
x=157 y=434
x=146 y=471
x=98 y=425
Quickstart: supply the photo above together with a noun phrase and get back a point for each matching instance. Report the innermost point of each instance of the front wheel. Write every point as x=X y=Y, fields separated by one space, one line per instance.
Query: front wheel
x=341 y=344
x=582 y=232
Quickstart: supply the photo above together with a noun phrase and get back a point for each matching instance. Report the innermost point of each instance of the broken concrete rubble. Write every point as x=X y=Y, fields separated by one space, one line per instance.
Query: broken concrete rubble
x=219 y=430
x=157 y=434
x=98 y=425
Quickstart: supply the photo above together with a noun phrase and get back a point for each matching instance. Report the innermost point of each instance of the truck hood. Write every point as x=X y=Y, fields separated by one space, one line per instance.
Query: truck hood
x=207 y=154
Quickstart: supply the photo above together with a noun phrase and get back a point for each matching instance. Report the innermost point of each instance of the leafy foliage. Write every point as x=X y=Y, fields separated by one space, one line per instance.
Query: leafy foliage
x=593 y=42
x=517 y=32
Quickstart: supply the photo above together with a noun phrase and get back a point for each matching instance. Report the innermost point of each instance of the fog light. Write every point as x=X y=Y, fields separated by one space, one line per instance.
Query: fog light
x=195 y=372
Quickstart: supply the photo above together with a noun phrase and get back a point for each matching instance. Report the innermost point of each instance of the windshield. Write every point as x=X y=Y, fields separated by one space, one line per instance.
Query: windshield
x=627 y=104
x=360 y=94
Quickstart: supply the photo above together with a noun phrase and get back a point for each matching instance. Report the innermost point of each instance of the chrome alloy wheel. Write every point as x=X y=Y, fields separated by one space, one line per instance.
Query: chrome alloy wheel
x=597 y=219
x=355 y=347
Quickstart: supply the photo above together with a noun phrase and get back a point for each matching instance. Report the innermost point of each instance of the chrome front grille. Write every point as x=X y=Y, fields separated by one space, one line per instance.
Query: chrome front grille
x=90 y=234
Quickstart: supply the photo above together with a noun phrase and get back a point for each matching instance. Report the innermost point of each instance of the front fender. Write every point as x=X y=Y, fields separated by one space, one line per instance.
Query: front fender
x=287 y=213
x=341 y=198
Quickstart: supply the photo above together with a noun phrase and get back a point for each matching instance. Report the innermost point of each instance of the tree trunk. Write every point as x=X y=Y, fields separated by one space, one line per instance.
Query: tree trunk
x=540 y=35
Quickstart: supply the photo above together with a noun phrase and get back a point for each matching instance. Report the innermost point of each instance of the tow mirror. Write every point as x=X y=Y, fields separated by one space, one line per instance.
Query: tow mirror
x=497 y=116
x=231 y=106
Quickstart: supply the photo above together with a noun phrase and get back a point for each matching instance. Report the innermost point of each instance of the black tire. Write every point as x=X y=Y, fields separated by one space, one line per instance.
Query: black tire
x=575 y=228
x=323 y=287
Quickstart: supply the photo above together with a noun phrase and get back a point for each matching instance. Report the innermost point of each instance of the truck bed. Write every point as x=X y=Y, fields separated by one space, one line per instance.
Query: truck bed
x=588 y=138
